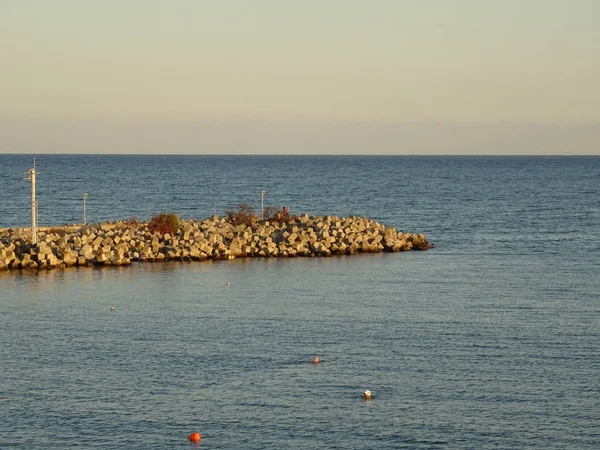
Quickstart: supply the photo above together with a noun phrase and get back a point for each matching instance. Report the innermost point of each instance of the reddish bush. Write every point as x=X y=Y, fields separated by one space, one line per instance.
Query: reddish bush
x=244 y=214
x=164 y=223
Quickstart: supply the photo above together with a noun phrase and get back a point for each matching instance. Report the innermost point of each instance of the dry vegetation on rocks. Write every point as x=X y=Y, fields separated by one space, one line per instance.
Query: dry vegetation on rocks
x=164 y=223
x=243 y=215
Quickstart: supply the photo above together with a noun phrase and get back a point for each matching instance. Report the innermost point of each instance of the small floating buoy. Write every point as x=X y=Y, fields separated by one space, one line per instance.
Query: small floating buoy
x=112 y=309
x=316 y=360
x=194 y=437
x=368 y=395
x=228 y=283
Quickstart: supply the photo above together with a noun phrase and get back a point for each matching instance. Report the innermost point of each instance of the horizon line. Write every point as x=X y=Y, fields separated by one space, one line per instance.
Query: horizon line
x=307 y=155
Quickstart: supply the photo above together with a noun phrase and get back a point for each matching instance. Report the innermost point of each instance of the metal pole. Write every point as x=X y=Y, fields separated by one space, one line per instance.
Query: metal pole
x=33 y=207
x=262 y=205
x=84 y=216
x=36 y=214
x=31 y=178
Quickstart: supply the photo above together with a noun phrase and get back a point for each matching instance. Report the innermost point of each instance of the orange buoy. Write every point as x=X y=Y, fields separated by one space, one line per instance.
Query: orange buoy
x=316 y=360
x=195 y=437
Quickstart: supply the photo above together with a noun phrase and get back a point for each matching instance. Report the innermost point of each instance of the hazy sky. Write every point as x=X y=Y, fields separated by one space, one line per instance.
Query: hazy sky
x=155 y=63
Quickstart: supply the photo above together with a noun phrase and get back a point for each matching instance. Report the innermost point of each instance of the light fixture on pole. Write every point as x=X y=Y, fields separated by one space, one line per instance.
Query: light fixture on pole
x=84 y=216
x=262 y=205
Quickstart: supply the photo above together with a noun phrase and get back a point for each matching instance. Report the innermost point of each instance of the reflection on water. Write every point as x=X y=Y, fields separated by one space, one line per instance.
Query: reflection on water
x=452 y=354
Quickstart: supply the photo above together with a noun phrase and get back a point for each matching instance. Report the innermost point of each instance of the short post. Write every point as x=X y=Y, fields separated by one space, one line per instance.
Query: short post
x=262 y=205
x=84 y=216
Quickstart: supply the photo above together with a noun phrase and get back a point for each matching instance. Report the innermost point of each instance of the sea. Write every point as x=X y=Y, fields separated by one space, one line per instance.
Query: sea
x=489 y=340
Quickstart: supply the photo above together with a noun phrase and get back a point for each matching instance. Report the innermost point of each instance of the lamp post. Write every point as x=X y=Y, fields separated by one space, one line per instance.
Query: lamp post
x=262 y=205
x=31 y=178
x=84 y=216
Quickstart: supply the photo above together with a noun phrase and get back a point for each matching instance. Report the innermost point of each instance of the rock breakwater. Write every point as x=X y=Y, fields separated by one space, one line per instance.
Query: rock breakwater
x=216 y=238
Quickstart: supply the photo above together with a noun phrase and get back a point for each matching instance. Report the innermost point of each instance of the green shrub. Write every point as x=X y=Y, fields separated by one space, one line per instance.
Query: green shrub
x=164 y=223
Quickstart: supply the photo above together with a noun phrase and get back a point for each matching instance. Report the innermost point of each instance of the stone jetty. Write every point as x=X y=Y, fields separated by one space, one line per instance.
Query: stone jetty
x=216 y=238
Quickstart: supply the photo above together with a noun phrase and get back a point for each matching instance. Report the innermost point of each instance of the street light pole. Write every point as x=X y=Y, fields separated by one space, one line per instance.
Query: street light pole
x=84 y=216
x=262 y=205
x=31 y=178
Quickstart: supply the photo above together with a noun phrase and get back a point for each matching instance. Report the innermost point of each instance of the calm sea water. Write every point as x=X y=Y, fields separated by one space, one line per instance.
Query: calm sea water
x=489 y=340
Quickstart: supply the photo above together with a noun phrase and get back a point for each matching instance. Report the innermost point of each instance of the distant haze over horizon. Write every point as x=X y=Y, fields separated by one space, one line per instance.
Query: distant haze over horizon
x=311 y=77
x=268 y=137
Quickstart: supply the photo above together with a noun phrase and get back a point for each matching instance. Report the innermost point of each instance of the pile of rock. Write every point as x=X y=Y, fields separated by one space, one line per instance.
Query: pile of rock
x=214 y=238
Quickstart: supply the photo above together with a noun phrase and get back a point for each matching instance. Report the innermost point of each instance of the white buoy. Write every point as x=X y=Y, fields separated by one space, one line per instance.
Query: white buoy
x=368 y=395
x=228 y=283
x=112 y=309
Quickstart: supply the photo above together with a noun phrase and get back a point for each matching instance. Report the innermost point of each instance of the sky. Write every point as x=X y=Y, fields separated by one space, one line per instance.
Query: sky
x=311 y=76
